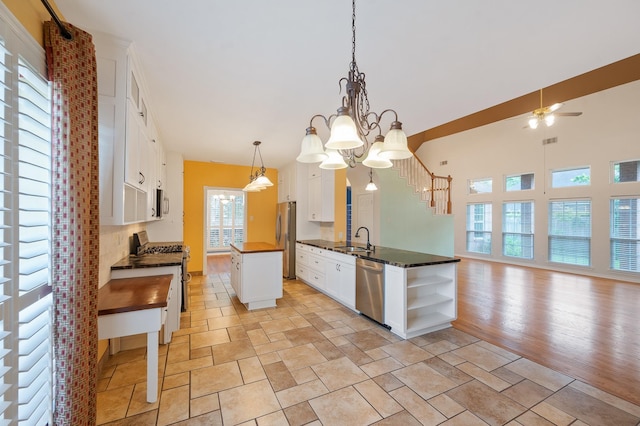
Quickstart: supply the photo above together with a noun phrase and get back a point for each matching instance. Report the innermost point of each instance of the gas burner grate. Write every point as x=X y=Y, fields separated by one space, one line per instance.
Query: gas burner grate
x=171 y=248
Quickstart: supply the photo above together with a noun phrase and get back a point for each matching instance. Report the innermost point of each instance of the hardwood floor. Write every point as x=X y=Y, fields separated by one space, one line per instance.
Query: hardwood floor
x=582 y=326
x=218 y=263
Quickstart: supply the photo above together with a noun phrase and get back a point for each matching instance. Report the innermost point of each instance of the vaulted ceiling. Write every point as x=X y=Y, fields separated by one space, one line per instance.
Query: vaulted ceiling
x=222 y=74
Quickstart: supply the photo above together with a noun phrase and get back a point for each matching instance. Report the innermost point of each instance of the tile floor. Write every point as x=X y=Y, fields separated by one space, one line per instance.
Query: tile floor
x=312 y=361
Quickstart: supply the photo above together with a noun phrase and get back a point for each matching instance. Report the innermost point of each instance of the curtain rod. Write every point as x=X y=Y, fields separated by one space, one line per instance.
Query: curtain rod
x=63 y=30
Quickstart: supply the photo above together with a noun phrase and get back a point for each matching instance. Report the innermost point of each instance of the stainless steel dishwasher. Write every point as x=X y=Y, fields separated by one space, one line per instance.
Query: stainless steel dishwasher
x=370 y=289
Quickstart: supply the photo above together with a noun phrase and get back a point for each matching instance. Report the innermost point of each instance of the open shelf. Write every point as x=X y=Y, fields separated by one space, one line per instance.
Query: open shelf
x=427 y=280
x=428 y=300
x=426 y=321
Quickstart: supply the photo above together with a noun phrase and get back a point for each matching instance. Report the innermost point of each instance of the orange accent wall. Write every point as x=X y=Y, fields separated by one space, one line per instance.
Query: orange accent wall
x=260 y=206
x=31 y=14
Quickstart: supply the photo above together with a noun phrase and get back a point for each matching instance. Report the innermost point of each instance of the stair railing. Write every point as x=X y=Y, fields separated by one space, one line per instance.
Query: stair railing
x=433 y=189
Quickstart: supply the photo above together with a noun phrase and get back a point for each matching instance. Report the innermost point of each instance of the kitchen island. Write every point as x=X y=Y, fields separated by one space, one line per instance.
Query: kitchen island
x=419 y=293
x=256 y=273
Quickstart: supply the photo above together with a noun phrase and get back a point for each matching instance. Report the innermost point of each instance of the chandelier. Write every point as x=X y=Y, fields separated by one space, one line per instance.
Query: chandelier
x=257 y=181
x=352 y=125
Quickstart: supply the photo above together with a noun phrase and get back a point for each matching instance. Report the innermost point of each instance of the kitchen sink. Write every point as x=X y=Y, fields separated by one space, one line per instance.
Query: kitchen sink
x=351 y=248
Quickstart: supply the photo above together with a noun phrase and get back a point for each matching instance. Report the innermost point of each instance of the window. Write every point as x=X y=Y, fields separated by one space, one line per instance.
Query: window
x=570 y=232
x=225 y=219
x=571 y=177
x=626 y=171
x=25 y=237
x=517 y=229
x=625 y=238
x=479 y=228
x=480 y=186
x=519 y=182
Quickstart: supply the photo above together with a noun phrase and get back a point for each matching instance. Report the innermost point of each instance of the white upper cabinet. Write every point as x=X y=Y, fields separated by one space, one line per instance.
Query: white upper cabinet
x=321 y=190
x=129 y=148
x=287 y=183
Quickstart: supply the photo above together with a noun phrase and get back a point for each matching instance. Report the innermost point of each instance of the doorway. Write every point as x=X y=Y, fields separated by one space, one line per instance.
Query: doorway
x=225 y=219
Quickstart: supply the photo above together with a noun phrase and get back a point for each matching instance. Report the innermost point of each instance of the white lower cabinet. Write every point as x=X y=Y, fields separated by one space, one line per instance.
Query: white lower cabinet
x=257 y=277
x=332 y=273
x=340 y=278
x=420 y=300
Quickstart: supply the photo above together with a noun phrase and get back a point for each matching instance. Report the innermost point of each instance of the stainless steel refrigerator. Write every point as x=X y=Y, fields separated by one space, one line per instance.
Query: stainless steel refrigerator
x=286 y=237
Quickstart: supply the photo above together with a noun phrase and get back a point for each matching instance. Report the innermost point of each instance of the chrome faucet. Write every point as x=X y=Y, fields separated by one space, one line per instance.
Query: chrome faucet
x=369 y=246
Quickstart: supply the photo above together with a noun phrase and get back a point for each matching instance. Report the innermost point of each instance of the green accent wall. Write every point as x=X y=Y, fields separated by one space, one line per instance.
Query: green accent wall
x=407 y=223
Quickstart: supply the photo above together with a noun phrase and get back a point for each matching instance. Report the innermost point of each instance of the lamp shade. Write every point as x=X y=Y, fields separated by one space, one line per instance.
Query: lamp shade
x=334 y=161
x=371 y=187
x=344 y=134
x=311 y=150
x=250 y=187
x=263 y=181
x=533 y=122
x=395 y=145
x=549 y=119
x=374 y=160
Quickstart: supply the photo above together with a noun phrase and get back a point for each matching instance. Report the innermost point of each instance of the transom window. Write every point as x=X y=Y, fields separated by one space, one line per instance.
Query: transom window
x=519 y=182
x=571 y=177
x=480 y=186
x=626 y=171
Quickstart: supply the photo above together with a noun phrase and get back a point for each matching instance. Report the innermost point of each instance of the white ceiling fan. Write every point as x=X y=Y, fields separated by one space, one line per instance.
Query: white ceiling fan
x=547 y=115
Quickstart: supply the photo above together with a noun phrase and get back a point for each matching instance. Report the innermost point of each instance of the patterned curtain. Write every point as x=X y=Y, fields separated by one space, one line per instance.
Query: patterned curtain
x=72 y=71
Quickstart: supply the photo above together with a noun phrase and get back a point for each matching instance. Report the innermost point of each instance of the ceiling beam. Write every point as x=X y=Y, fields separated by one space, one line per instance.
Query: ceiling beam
x=615 y=74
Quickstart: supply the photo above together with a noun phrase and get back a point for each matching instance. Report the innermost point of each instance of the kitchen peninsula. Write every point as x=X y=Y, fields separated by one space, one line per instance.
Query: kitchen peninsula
x=419 y=290
x=256 y=273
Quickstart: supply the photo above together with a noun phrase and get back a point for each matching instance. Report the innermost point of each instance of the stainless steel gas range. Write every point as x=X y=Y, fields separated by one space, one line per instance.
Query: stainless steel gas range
x=142 y=246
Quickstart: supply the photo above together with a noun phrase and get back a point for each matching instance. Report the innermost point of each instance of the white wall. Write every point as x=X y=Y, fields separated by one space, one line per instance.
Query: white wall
x=608 y=130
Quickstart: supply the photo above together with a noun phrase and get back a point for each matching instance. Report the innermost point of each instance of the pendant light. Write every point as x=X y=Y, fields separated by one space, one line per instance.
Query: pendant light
x=258 y=180
x=371 y=186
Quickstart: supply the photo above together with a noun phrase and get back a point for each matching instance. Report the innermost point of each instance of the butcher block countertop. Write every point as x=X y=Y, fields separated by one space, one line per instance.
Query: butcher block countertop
x=255 y=247
x=133 y=294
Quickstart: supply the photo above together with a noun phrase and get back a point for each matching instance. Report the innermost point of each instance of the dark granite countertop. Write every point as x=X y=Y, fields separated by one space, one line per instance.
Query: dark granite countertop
x=148 y=261
x=386 y=255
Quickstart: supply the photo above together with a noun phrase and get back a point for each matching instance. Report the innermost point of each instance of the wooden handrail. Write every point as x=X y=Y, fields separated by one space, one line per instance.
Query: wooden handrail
x=433 y=189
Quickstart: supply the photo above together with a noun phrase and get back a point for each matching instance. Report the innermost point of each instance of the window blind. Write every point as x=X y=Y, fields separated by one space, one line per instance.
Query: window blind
x=624 y=235
x=517 y=229
x=479 y=218
x=25 y=223
x=570 y=232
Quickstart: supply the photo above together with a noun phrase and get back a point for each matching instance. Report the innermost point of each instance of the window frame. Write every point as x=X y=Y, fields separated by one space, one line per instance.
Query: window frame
x=470 y=183
x=612 y=174
x=530 y=234
x=552 y=237
x=533 y=182
x=485 y=242
x=568 y=169
x=26 y=311
x=619 y=240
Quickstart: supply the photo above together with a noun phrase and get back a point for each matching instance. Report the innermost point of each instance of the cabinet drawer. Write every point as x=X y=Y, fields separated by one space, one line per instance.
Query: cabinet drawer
x=317 y=250
x=302 y=258
x=302 y=272
x=316 y=279
x=315 y=262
